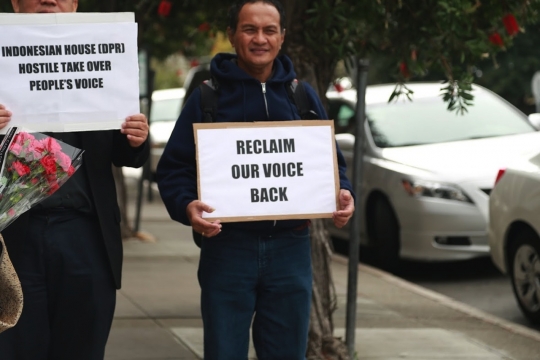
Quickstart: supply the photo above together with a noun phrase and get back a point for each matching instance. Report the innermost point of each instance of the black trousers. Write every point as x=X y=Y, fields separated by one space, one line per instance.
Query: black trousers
x=69 y=292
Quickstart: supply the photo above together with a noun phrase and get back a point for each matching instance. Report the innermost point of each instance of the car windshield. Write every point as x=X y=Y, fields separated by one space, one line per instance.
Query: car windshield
x=427 y=121
x=165 y=110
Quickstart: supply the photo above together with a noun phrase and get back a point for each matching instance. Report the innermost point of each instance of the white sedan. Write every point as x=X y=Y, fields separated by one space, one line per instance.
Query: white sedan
x=165 y=109
x=514 y=231
x=428 y=172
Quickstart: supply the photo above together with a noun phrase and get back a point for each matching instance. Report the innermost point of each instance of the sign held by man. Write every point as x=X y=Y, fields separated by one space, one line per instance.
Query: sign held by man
x=267 y=170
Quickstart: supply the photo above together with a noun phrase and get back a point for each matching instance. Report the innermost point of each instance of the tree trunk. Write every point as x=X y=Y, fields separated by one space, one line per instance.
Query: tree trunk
x=322 y=345
x=317 y=70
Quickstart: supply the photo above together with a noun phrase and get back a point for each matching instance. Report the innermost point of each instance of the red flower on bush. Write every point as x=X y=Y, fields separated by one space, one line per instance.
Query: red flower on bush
x=204 y=27
x=496 y=39
x=164 y=8
x=404 y=70
x=511 y=25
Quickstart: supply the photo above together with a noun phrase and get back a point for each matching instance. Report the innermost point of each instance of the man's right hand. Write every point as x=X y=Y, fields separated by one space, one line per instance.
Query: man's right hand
x=194 y=213
x=5 y=116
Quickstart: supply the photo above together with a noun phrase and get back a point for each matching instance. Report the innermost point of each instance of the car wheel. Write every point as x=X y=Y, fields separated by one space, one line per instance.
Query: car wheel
x=386 y=235
x=525 y=273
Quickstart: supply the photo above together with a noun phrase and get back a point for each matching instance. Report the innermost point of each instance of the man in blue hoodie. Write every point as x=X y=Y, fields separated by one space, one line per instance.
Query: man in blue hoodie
x=251 y=273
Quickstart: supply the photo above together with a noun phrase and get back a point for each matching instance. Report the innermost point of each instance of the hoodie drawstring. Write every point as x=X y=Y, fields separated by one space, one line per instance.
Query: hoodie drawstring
x=265 y=102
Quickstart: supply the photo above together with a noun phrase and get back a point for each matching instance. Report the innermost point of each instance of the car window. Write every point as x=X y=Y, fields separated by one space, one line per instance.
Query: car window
x=165 y=110
x=427 y=121
x=343 y=115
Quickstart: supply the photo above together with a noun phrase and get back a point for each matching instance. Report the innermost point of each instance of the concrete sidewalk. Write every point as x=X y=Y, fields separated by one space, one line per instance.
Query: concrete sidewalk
x=158 y=317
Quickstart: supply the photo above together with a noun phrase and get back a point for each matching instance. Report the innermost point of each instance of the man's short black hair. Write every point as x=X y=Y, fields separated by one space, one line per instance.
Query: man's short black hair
x=234 y=11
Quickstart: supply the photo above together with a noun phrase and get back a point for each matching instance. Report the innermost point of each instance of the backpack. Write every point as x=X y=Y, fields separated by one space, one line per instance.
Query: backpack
x=297 y=95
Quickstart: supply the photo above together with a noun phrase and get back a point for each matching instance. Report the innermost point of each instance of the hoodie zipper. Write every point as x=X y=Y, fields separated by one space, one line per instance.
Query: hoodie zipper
x=267 y=114
x=265 y=102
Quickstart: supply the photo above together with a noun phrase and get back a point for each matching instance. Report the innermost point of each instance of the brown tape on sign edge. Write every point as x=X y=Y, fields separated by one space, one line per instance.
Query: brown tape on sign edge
x=11 y=296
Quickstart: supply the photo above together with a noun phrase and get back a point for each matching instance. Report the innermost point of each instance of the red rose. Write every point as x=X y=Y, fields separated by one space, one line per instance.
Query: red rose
x=49 y=163
x=50 y=145
x=164 y=8
x=21 y=168
x=496 y=39
x=511 y=25
x=53 y=187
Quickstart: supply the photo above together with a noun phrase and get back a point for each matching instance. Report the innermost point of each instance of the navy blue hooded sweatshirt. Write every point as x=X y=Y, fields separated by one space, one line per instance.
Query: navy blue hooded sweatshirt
x=241 y=98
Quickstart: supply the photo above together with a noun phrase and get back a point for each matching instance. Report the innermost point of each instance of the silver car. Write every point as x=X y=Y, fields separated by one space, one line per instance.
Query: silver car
x=165 y=109
x=514 y=231
x=428 y=172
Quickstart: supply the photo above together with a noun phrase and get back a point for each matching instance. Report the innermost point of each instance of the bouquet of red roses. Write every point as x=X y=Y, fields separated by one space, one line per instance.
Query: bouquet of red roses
x=33 y=167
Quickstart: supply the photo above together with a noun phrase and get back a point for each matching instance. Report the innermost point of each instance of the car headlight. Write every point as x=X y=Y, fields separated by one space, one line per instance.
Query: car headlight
x=419 y=188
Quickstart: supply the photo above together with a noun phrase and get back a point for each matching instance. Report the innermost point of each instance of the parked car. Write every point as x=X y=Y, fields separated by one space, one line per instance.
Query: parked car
x=166 y=107
x=164 y=111
x=514 y=231
x=428 y=172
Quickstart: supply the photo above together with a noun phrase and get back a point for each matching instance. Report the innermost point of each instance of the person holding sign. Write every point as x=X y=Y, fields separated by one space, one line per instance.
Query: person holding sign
x=67 y=250
x=251 y=273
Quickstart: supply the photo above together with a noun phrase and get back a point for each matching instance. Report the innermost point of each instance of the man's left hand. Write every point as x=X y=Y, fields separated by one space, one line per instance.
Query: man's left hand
x=136 y=129
x=346 y=208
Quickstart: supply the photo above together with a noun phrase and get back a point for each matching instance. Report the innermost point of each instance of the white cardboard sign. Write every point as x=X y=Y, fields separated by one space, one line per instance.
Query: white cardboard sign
x=267 y=170
x=69 y=72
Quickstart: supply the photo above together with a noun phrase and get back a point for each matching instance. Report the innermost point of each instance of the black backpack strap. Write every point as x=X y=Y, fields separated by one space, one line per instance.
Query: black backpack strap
x=209 y=108
x=298 y=95
x=208 y=100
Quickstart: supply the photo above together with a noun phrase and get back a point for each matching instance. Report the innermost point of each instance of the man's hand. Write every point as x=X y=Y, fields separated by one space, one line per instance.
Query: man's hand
x=5 y=116
x=194 y=213
x=136 y=129
x=346 y=208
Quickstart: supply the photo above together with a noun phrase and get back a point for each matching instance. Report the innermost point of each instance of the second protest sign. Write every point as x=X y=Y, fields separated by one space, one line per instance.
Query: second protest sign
x=267 y=170
x=69 y=71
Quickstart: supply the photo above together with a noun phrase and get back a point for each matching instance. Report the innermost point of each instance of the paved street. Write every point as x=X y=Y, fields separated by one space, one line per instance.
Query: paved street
x=158 y=317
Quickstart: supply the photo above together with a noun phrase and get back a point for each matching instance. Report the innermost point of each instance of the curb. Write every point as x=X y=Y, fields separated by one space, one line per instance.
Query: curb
x=444 y=300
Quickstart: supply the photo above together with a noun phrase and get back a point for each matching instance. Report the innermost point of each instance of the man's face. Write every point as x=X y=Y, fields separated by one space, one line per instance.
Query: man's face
x=258 y=37
x=44 y=6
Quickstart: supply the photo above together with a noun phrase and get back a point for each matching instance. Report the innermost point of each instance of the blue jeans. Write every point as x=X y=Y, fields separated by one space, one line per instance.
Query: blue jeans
x=260 y=280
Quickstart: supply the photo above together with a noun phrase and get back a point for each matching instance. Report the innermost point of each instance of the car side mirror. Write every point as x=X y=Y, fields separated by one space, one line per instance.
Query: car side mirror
x=345 y=141
x=534 y=119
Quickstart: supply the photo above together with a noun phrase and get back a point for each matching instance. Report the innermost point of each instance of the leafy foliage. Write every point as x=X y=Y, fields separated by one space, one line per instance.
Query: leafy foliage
x=447 y=37
x=510 y=73
x=416 y=39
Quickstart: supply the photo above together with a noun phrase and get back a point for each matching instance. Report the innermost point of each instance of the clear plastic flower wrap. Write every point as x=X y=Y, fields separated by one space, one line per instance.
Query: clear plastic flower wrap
x=33 y=167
